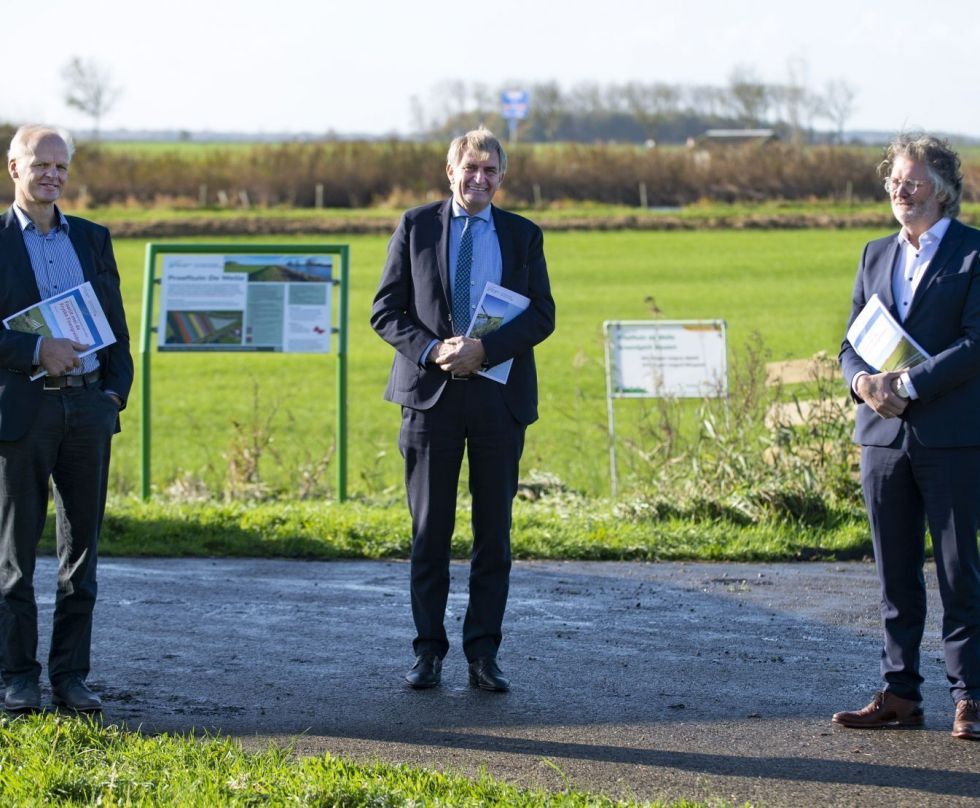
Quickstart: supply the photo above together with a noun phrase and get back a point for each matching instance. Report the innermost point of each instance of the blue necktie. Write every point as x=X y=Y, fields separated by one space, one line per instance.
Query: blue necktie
x=461 y=284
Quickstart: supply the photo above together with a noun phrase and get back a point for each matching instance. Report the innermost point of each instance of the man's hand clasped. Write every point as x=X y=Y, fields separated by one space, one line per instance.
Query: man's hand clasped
x=878 y=392
x=460 y=356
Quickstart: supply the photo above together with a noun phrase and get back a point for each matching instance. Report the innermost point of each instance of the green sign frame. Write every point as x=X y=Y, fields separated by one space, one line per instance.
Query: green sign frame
x=148 y=328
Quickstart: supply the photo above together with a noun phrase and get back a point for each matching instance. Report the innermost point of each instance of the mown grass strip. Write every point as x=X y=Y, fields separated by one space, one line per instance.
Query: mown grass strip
x=584 y=530
x=53 y=760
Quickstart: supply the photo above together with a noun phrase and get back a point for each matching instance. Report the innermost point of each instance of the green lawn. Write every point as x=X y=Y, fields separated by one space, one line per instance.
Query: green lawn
x=792 y=287
x=48 y=760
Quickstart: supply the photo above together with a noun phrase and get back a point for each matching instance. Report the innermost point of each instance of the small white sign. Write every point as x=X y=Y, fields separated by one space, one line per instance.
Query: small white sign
x=667 y=358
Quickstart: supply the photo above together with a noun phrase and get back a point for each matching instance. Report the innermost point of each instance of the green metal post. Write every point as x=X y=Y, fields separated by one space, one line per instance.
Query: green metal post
x=146 y=348
x=342 y=378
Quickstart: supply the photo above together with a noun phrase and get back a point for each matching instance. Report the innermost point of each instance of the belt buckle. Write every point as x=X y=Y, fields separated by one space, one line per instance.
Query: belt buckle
x=47 y=385
x=459 y=378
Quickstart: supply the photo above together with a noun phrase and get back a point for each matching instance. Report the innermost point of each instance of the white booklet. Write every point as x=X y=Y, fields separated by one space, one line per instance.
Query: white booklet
x=75 y=314
x=881 y=341
x=497 y=306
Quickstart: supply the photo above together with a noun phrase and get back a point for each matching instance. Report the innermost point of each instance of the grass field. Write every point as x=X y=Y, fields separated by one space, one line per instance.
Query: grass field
x=792 y=287
x=49 y=760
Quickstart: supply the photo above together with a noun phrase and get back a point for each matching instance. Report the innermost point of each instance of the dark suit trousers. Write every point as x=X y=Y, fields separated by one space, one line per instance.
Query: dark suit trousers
x=906 y=487
x=69 y=443
x=469 y=416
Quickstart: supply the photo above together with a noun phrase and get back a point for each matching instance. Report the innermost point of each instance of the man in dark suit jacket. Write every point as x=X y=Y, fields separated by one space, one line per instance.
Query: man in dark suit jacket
x=439 y=261
x=919 y=429
x=57 y=428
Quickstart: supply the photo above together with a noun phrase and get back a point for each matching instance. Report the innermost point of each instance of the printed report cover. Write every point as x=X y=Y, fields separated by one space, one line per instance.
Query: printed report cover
x=75 y=314
x=497 y=306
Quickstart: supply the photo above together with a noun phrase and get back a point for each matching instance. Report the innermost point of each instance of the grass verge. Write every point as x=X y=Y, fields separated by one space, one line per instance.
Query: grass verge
x=52 y=760
x=578 y=529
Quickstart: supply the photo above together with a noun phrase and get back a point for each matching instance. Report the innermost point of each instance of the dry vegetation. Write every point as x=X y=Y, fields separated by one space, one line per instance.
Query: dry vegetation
x=398 y=173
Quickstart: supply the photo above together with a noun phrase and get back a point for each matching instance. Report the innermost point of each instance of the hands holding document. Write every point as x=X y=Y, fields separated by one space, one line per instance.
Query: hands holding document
x=880 y=341
x=878 y=392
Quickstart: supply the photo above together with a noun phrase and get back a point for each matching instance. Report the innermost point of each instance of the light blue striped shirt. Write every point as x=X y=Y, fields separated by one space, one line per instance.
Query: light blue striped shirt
x=56 y=268
x=487 y=263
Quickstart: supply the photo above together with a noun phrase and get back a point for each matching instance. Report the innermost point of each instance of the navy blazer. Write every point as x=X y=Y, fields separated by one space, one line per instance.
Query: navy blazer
x=19 y=396
x=944 y=319
x=413 y=304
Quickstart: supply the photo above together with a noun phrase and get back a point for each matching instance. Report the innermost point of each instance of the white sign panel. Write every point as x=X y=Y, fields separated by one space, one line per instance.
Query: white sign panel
x=246 y=303
x=667 y=358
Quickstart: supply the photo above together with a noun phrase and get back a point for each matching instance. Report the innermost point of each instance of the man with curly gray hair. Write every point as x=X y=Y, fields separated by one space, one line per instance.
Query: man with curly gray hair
x=919 y=430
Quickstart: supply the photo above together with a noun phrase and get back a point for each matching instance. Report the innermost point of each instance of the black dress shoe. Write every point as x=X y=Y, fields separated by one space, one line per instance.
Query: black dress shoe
x=74 y=694
x=425 y=673
x=486 y=675
x=22 y=696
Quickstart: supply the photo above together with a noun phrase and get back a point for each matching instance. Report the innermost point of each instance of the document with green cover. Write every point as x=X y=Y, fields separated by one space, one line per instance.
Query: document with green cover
x=497 y=306
x=881 y=341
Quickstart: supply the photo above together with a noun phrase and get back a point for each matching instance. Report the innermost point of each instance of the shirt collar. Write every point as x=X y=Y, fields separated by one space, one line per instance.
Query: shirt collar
x=460 y=212
x=25 y=221
x=930 y=238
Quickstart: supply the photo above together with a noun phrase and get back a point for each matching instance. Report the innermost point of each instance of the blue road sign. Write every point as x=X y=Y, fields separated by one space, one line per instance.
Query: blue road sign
x=514 y=104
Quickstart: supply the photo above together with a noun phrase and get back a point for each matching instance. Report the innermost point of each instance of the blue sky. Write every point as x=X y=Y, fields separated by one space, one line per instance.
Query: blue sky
x=299 y=65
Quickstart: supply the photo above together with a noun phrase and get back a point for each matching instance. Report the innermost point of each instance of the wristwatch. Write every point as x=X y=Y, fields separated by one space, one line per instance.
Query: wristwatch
x=900 y=389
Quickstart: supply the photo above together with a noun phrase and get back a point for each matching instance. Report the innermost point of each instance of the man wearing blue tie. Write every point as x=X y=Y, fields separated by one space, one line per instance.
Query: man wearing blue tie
x=440 y=259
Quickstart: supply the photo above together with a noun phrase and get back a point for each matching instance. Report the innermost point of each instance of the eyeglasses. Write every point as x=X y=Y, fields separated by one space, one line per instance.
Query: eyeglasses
x=911 y=186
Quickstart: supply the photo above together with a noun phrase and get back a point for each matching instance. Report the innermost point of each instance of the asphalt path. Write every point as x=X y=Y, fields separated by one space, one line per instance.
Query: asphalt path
x=649 y=681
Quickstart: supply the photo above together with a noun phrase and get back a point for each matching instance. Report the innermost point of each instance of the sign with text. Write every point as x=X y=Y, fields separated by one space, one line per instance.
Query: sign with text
x=241 y=302
x=514 y=105
x=667 y=358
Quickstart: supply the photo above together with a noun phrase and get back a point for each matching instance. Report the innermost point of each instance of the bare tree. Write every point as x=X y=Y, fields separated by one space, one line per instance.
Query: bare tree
x=839 y=97
x=748 y=97
x=89 y=88
x=793 y=96
x=548 y=107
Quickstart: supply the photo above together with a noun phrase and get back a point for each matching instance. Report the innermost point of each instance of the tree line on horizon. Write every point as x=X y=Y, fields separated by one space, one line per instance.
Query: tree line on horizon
x=641 y=112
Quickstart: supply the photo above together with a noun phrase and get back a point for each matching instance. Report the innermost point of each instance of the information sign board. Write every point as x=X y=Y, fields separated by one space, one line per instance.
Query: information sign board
x=678 y=358
x=240 y=302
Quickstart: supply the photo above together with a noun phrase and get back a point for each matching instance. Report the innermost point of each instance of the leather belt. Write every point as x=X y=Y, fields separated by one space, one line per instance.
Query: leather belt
x=79 y=380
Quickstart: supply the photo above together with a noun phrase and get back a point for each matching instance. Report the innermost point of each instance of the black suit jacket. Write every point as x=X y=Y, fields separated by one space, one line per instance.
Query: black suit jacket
x=413 y=304
x=944 y=318
x=19 y=396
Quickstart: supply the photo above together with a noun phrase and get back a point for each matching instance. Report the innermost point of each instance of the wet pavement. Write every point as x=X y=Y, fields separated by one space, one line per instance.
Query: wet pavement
x=705 y=681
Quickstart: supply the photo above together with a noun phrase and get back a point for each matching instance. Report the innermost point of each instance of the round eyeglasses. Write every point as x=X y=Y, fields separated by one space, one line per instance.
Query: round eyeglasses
x=910 y=186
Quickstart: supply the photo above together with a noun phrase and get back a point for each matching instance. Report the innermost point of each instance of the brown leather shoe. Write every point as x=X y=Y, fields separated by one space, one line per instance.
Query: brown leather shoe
x=886 y=710
x=967 y=721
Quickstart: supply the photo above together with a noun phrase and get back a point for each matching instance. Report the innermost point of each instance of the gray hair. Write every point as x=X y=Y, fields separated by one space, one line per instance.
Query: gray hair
x=939 y=160
x=29 y=135
x=482 y=141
